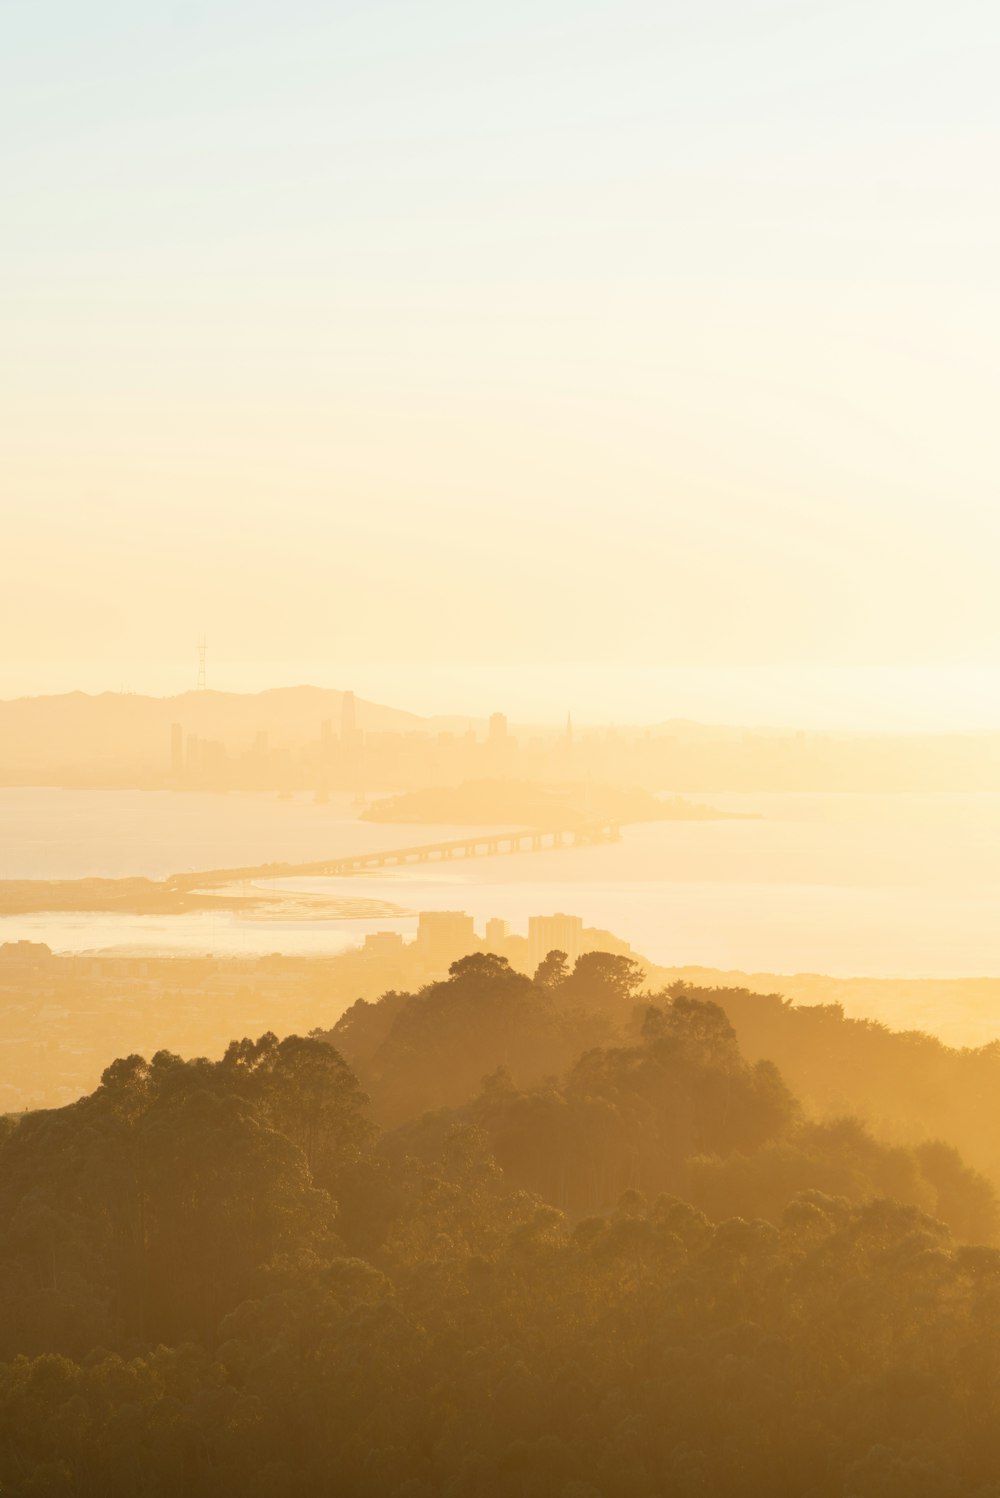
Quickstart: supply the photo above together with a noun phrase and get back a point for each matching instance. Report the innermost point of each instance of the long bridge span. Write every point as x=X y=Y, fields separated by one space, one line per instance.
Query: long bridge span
x=485 y=845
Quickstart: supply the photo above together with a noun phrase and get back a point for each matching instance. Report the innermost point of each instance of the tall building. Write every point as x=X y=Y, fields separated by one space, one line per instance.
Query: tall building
x=348 y=718
x=176 y=751
x=500 y=749
x=554 y=933
x=445 y=935
x=497 y=932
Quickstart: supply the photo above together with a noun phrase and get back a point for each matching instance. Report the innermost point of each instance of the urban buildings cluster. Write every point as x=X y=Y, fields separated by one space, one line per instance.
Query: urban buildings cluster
x=63 y=1014
x=681 y=757
x=443 y=935
x=345 y=757
x=317 y=741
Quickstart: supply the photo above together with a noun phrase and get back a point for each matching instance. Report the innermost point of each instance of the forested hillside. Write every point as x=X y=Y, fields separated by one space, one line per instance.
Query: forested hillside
x=420 y=1050
x=528 y=1237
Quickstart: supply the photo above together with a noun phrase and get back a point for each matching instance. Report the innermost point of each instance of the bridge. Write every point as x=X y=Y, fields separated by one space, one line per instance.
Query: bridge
x=486 y=845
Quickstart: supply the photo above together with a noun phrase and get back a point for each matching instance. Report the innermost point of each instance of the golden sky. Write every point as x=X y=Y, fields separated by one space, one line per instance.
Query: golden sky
x=504 y=350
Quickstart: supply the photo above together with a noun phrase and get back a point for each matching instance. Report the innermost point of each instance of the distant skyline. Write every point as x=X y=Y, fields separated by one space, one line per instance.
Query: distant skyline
x=655 y=338
x=825 y=699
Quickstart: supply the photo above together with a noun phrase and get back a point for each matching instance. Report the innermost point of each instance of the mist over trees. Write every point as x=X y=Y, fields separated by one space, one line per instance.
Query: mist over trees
x=500 y=1236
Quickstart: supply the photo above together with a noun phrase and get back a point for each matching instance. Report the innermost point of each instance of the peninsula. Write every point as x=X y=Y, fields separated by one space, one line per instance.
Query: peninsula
x=530 y=804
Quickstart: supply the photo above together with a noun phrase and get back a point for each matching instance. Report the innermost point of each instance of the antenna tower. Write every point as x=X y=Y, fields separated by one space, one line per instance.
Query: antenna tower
x=202 y=651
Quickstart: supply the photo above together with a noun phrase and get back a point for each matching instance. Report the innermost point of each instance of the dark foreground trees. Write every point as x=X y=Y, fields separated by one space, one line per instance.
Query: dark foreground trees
x=845 y=1351
x=217 y=1279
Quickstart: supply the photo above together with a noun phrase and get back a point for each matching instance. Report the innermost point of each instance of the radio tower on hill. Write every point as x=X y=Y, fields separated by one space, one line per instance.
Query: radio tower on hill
x=202 y=651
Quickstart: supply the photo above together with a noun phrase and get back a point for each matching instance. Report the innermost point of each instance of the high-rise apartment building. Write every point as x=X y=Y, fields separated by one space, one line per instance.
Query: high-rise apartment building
x=445 y=935
x=554 y=933
x=497 y=932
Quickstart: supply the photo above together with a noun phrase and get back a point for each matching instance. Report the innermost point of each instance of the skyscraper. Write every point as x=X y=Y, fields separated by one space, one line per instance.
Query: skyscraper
x=348 y=718
x=176 y=751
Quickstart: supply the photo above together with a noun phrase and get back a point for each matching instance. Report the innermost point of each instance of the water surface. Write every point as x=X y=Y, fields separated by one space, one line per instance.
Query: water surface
x=904 y=885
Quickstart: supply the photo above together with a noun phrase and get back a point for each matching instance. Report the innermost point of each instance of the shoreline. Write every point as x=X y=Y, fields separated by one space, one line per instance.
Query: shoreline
x=146 y=897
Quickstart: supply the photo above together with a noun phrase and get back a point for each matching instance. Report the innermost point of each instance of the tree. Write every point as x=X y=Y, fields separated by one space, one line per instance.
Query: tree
x=603 y=979
x=552 y=970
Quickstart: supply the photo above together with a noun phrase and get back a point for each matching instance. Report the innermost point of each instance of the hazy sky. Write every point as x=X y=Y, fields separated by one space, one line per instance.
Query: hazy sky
x=452 y=343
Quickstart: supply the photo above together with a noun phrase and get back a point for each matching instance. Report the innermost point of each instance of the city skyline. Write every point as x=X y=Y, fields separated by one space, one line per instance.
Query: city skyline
x=902 y=699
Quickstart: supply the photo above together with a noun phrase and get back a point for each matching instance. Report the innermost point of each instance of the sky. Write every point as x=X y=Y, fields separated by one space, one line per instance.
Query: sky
x=639 y=354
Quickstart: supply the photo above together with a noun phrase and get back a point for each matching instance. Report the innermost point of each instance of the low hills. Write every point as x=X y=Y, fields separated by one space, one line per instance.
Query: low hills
x=118 y=730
